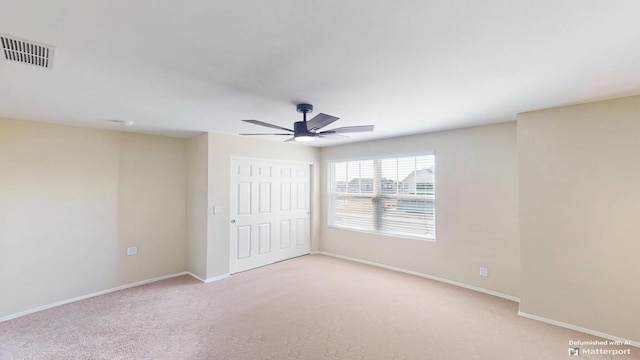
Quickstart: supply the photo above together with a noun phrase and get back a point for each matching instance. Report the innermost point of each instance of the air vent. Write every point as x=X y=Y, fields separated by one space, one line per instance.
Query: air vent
x=27 y=52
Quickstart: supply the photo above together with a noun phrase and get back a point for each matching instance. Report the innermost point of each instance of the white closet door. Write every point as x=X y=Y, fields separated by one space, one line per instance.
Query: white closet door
x=270 y=206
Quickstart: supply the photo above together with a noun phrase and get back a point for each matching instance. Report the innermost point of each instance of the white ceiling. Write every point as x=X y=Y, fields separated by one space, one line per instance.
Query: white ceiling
x=180 y=67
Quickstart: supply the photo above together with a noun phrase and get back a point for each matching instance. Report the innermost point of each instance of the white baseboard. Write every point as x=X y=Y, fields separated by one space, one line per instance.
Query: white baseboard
x=451 y=282
x=117 y=288
x=208 y=280
x=577 y=328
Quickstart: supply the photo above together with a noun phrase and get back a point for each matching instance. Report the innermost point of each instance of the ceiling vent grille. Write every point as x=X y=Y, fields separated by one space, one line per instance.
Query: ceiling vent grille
x=27 y=52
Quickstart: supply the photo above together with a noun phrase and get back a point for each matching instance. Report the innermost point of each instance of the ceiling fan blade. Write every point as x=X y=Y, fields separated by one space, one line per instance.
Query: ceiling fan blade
x=292 y=139
x=268 y=134
x=331 y=136
x=261 y=123
x=319 y=121
x=349 y=129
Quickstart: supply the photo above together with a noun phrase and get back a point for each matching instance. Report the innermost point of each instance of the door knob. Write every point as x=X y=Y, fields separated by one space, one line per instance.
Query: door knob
x=233 y=221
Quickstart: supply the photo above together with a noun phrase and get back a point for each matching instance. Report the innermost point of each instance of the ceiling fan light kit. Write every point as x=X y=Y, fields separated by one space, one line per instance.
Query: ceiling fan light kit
x=306 y=131
x=304 y=138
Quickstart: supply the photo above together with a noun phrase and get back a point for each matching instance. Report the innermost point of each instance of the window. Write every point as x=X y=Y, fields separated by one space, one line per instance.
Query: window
x=393 y=196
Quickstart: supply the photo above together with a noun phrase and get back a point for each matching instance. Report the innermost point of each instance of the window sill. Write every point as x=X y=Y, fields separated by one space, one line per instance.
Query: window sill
x=395 y=235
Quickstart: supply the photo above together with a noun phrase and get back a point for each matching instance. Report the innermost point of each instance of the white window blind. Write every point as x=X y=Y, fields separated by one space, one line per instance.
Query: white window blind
x=394 y=195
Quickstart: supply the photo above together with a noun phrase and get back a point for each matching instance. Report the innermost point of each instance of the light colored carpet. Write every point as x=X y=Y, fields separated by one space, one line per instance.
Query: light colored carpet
x=312 y=307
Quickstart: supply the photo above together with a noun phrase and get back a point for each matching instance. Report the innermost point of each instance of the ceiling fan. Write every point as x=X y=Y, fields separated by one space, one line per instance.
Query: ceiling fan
x=308 y=130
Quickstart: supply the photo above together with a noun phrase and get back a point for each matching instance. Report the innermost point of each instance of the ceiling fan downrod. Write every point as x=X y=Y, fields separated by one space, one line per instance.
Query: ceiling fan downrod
x=304 y=109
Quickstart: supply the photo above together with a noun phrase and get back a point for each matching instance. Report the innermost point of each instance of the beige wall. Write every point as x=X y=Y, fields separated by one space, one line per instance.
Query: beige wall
x=548 y=206
x=476 y=208
x=221 y=149
x=71 y=201
x=579 y=204
x=197 y=215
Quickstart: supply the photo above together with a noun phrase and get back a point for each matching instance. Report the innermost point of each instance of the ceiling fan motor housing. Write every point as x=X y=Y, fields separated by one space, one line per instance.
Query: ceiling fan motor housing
x=300 y=127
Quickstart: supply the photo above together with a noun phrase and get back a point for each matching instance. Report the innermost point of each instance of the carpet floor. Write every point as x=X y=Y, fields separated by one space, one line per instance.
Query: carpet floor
x=312 y=307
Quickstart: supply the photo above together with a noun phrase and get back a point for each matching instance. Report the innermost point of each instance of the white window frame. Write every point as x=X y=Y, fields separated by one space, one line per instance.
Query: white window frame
x=377 y=198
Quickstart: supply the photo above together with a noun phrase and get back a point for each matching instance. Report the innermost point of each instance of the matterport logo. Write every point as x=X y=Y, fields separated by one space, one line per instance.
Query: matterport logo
x=598 y=347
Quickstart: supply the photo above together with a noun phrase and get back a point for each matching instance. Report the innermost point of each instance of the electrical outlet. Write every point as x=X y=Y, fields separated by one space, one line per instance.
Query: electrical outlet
x=484 y=271
x=132 y=250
